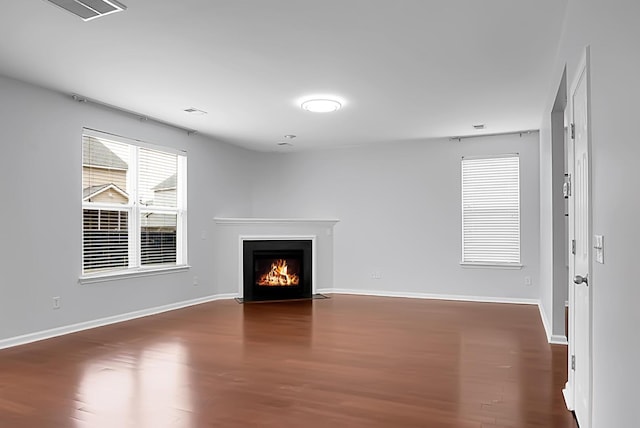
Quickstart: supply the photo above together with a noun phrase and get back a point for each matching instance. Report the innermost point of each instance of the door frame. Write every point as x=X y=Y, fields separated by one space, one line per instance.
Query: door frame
x=569 y=390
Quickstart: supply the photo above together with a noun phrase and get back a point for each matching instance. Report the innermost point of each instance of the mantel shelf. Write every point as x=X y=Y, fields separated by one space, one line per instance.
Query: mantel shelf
x=246 y=220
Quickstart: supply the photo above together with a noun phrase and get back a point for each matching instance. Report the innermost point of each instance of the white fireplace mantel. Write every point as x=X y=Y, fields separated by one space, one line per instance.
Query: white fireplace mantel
x=230 y=232
x=278 y=221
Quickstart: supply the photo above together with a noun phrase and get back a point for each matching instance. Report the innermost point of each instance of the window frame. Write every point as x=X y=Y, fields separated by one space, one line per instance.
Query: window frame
x=486 y=263
x=134 y=210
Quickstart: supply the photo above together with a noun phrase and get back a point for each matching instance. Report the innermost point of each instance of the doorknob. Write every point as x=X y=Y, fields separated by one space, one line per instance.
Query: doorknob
x=581 y=279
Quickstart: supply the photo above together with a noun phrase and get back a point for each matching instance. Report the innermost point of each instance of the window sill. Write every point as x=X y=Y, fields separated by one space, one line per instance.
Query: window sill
x=130 y=273
x=488 y=265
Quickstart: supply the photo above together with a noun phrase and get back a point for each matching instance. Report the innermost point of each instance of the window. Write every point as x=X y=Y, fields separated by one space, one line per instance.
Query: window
x=133 y=205
x=491 y=210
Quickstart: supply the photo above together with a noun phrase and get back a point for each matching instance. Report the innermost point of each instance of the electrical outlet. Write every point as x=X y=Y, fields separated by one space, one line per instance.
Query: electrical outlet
x=527 y=280
x=195 y=280
x=376 y=275
x=56 y=302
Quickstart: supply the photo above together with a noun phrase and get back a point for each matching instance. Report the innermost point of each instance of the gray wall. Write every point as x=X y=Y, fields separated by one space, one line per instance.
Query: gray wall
x=546 y=226
x=612 y=31
x=554 y=287
x=40 y=179
x=400 y=215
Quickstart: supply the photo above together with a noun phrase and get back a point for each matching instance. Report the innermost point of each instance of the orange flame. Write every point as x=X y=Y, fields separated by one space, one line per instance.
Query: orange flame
x=278 y=275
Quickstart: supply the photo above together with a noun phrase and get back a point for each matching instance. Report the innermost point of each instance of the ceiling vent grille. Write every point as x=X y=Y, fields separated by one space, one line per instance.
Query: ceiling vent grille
x=89 y=9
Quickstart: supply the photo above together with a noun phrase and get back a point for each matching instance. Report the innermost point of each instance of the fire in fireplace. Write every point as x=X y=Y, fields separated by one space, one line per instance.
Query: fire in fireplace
x=276 y=269
x=277 y=273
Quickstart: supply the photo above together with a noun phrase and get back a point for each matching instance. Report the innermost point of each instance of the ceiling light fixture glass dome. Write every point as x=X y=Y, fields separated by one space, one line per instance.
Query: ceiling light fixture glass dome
x=321 y=105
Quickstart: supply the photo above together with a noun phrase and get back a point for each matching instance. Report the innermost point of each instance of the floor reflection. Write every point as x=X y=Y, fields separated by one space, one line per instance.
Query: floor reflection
x=150 y=388
x=488 y=352
x=292 y=327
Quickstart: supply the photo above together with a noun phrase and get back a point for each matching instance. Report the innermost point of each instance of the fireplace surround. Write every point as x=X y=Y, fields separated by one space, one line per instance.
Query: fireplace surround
x=277 y=269
x=229 y=233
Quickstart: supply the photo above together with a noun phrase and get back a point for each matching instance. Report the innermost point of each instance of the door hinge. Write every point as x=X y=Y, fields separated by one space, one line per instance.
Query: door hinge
x=573 y=362
x=573 y=246
x=573 y=131
x=566 y=186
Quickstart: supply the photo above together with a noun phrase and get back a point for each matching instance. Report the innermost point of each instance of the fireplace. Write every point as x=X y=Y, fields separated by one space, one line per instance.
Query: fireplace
x=276 y=269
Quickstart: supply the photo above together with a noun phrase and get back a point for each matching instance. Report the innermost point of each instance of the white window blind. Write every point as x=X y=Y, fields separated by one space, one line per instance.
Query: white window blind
x=491 y=210
x=157 y=188
x=134 y=205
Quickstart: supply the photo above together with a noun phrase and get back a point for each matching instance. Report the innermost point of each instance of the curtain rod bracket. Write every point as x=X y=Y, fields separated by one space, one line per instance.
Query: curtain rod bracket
x=141 y=117
x=78 y=98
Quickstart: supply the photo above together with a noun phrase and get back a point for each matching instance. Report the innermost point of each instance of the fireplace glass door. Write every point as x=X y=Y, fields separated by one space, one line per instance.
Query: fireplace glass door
x=277 y=270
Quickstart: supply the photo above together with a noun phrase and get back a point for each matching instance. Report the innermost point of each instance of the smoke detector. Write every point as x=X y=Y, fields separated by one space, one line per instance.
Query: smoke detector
x=89 y=9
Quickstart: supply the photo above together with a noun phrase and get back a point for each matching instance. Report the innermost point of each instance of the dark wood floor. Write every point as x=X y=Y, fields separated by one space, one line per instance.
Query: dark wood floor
x=348 y=361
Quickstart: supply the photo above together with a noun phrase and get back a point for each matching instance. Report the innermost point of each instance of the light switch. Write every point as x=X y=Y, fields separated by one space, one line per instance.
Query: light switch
x=598 y=245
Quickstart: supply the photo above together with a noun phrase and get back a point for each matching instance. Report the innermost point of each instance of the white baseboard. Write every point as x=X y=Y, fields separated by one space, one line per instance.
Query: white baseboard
x=567 y=393
x=558 y=339
x=555 y=339
x=463 y=298
x=545 y=322
x=60 y=331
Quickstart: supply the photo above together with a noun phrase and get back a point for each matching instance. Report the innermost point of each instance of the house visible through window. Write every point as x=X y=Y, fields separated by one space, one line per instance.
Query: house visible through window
x=133 y=205
x=491 y=210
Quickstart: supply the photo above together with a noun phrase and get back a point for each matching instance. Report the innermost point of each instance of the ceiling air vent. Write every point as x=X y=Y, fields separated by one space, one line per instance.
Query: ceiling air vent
x=89 y=9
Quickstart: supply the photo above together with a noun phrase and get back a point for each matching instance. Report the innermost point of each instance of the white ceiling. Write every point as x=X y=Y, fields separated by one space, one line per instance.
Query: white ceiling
x=406 y=69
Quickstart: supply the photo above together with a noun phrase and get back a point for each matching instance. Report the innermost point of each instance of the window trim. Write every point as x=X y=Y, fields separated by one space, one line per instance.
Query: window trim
x=90 y=132
x=92 y=278
x=490 y=264
x=134 y=210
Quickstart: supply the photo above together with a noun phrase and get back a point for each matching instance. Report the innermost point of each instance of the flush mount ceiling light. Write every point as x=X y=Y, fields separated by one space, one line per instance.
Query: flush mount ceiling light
x=321 y=105
x=89 y=9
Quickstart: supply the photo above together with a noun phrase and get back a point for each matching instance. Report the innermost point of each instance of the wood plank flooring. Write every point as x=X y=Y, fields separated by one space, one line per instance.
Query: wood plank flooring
x=347 y=361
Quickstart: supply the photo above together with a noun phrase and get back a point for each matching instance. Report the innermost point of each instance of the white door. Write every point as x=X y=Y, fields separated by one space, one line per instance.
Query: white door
x=581 y=288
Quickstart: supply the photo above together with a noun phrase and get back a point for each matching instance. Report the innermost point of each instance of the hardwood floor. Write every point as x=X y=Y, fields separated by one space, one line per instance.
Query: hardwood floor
x=347 y=361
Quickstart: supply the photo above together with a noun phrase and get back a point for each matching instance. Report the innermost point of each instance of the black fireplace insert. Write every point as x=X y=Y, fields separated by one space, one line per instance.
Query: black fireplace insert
x=276 y=270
